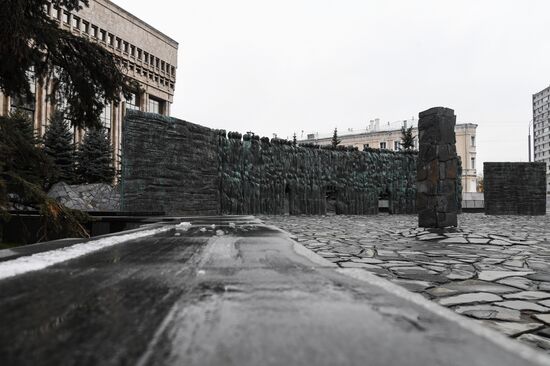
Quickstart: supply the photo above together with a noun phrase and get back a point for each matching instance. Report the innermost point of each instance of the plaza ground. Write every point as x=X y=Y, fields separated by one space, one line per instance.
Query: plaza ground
x=494 y=269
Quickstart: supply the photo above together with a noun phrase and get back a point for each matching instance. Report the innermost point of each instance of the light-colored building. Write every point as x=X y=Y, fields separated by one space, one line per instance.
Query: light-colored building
x=541 y=130
x=388 y=136
x=148 y=56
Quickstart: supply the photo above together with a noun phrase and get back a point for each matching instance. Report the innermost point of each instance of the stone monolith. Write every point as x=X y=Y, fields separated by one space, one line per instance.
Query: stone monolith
x=437 y=169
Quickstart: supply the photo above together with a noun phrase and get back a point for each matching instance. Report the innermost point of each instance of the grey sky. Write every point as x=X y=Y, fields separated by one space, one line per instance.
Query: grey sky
x=292 y=65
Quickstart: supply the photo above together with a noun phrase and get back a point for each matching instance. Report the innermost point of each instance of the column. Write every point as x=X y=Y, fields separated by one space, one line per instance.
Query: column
x=3 y=105
x=437 y=169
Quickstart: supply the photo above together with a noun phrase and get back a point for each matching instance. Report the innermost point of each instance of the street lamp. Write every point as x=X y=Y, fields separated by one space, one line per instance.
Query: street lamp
x=529 y=137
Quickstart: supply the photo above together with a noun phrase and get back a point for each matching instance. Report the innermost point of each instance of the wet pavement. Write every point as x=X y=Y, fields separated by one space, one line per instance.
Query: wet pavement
x=494 y=269
x=230 y=291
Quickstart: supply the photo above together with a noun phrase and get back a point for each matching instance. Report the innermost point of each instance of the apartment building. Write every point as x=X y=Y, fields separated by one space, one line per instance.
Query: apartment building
x=541 y=130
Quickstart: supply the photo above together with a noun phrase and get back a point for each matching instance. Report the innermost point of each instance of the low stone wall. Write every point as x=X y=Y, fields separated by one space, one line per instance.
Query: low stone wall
x=87 y=197
x=181 y=168
x=514 y=188
x=473 y=200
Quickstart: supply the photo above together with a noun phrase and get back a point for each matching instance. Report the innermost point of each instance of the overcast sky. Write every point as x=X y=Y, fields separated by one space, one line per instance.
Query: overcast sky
x=290 y=65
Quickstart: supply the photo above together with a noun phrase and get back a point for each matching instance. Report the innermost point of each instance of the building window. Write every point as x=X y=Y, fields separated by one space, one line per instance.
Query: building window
x=76 y=22
x=154 y=106
x=472 y=163
x=61 y=105
x=56 y=13
x=139 y=54
x=146 y=57
x=132 y=51
x=106 y=117
x=382 y=145
x=103 y=35
x=133 y=102
x=66 y=17
x=472 y=140
x=173 y=70
x=86 y=27
x=110 y=40
x=60 y=101
x=23 y=105
x=397 y=146
x=118 y=43
x=365 y=146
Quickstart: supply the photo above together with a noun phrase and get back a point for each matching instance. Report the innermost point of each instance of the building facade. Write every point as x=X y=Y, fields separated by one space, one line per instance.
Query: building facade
x=148 y=56
x=388 y=136
x=541 y=130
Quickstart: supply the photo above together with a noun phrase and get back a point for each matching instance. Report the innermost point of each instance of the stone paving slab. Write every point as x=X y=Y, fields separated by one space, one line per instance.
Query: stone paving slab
x=491 y=268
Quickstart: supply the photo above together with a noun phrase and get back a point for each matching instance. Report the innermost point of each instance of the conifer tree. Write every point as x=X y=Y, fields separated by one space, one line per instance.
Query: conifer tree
x=25 y=170
x=407 y=138
x=86 y=73
x=19 y=151
x=294 y=141
x=24 y=126
x=335 y=140
x=58 y=145
x=94 y=158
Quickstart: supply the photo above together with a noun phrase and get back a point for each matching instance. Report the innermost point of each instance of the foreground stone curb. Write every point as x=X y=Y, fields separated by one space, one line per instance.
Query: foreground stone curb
x=230 y=290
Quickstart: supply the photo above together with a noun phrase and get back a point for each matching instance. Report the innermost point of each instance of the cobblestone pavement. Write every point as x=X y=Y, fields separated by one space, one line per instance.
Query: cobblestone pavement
x=495 y=269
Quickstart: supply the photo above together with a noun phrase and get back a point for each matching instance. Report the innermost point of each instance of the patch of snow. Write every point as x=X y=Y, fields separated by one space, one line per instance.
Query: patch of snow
x=202 y=229
x=43 y=260
x=232 y=225
x=220 y=232
x=183 y=226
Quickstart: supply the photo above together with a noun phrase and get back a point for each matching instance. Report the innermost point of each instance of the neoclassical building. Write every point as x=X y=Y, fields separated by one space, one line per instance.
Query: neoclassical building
x=388 y=136
x=149 y=56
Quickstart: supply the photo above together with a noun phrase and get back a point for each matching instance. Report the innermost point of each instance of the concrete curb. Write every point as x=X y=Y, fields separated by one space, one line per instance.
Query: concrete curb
x=27 y=250
x=506 y=343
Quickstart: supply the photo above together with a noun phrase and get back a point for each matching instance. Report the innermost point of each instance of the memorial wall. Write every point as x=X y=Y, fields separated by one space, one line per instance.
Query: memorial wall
x=181 y=168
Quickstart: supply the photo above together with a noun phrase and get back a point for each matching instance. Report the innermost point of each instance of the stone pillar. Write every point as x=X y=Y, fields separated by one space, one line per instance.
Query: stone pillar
x=4 y=107
x=437 y=169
